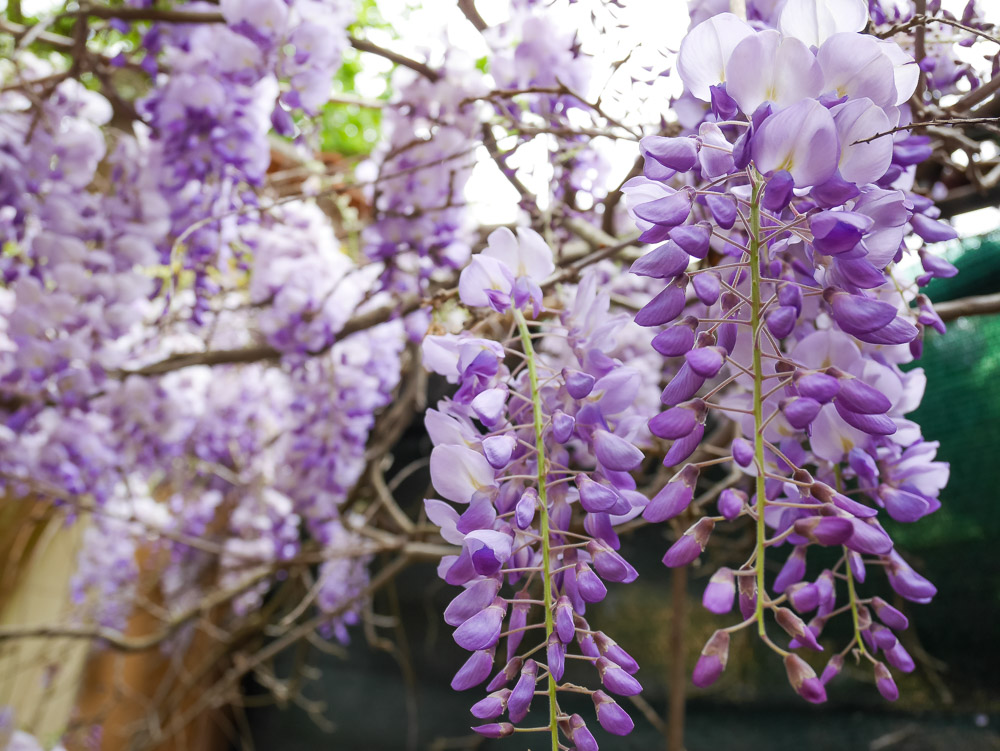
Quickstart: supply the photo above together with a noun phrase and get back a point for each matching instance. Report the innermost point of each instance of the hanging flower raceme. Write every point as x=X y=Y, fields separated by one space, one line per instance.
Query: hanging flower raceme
x=796 y=328
x=527 y=454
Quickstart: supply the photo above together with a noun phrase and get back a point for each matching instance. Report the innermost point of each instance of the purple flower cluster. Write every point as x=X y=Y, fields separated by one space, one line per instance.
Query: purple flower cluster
x=247 y=457
x=525 y=452
x=422 y=230
x=797 y=332
x=219 y=89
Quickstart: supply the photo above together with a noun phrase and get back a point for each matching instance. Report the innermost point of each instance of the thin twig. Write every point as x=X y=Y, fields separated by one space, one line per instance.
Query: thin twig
x=994 y=121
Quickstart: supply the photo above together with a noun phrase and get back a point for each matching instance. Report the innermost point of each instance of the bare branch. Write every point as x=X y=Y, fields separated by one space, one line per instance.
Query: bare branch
x=988 y=121
x=193 y=17
x=920 y=20
x=977 y=305
x=264 y=353
x=468 y=8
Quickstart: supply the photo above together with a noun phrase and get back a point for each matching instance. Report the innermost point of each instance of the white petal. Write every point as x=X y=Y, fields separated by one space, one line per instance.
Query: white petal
x=858 y=119
x=815 y=21
x=535 y=255
x=906 y=72
x=705 y=51
x=445 y=517
x=831 y=437
x=458 y=472
x=502 y=245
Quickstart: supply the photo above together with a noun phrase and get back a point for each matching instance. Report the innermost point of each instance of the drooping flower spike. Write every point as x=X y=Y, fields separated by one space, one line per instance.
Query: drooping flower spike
x=796 y=334
x=524 y=452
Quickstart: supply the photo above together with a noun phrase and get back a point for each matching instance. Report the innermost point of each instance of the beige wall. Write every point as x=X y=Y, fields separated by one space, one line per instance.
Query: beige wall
x=38 y=677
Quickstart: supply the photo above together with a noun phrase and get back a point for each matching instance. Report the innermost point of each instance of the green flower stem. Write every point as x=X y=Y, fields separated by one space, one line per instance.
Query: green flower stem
x=758 y=391
x=853 y=597
x=543 y=509
x=849 y=575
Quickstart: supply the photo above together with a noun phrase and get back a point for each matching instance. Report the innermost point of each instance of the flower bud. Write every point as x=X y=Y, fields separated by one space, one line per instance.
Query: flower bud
x=824 y=530
x=900 y=659
x=682 y=386
x=492 y=706
x=722 y=208
x=793 y=570
x=796 y=628
x=870 y=424
x=781 y=320
x=675 y=422
x=591 y=588
x=712 y=661
x=665 y=307
x=611 y=717
x=664 y=262
x=869 y=538
x=615 y=452
x=693 y=238
x=609 y=564
x=857 y=565
x=609 y=648
x=505 y=676
x=489 y=405
x=836 y=232
x=690 y=545
x=674 y=497
x=778 y=191
x=884 y=682
x=518 y=620
x=595 y=497
x=495 y=730
x=859 y=397
x=730 y=503
x=800 y=411
x=889 y=615
x=578 y=383
x=524 y=691
x=580 y=736
x=564 y=619
x=682 y=448
x=804 y=597
x=482 y=630
x=907 y=582
x=475 y=670
x=588 y=646
x=680 y=154
x=670 y=211
x=826 y=587
x=857 y=314
x=524 y=511
x=498 y=449
x=562 y=426
x=677 y=339
x=742 y=452
x=803 y=679
x=707 y=287
x=473 y=599
x=864 y=617
x=720 y=594
x=818 y=386
x=555 y=656
x=832 y=669
x=616 y=679
x=883 y=637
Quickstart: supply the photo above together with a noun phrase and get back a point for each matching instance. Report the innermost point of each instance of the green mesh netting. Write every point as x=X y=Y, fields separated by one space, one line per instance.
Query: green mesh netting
x=955 y=547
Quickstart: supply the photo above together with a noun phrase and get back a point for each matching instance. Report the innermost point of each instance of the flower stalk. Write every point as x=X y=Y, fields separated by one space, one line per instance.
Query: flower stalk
x=757 y=187
x=543 y=510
